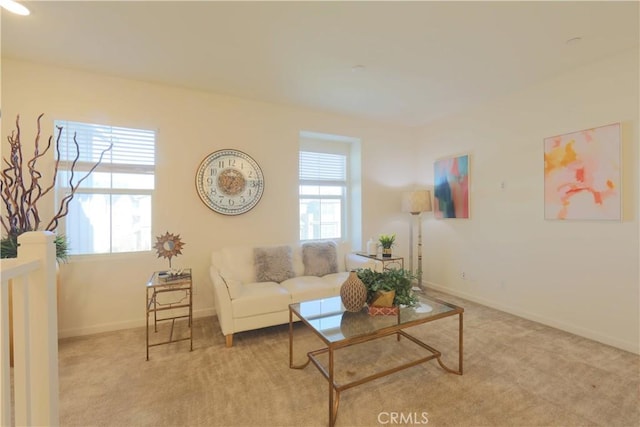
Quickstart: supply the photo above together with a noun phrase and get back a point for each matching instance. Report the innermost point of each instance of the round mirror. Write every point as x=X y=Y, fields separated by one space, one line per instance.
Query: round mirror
x=168 y=246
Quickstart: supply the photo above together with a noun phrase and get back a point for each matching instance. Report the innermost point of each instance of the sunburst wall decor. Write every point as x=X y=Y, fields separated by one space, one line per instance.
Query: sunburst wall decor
x=168 y=246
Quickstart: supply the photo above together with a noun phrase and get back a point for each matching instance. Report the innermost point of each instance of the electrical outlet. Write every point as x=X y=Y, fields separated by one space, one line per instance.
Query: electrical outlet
x=463 y=275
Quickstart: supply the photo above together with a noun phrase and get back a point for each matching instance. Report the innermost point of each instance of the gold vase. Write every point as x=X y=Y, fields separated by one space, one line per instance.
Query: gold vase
x=353 y=293
x=384 y=298
x=386 y=252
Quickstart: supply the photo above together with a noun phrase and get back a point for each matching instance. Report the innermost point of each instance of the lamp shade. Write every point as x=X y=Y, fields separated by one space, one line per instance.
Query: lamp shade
x=416 y=201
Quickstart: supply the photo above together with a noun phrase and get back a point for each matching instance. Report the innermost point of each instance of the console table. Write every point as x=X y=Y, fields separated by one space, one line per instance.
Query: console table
x=387 y=262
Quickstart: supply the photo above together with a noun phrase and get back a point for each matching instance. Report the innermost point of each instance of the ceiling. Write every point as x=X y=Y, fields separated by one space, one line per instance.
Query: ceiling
x=421 y=60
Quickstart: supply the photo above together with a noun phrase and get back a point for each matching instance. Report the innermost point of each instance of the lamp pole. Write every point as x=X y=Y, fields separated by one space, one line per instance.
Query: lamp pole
x=420 y=250
x=416 y=202
x=411 y=243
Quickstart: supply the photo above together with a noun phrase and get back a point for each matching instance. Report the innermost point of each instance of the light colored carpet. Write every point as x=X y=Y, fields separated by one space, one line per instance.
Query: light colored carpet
x=516 y=373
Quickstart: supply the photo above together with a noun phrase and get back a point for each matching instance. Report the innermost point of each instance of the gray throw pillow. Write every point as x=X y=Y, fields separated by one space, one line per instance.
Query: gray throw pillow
x=273 y=264
x=319 y=258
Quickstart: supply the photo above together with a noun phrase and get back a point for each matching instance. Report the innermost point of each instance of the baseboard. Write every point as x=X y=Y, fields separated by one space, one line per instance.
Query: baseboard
x=116 y=326
x=586 y=333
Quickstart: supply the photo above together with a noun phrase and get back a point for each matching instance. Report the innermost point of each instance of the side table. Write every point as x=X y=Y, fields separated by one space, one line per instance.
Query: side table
x=170 y=296
x=387 y=262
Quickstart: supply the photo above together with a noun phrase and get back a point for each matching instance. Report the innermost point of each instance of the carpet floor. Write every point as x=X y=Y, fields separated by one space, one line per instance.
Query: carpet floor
x=516 y=373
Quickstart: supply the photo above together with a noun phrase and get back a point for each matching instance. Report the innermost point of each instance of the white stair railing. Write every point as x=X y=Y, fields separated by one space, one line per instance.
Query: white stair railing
x=35 y=333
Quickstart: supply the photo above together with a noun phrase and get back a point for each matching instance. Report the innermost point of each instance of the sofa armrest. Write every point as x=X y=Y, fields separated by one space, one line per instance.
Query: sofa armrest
x=355 y=261
x=222 y=301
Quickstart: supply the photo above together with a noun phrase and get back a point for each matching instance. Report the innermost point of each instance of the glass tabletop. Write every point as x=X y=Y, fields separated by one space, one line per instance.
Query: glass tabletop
x=170 y=278
x=329 y=318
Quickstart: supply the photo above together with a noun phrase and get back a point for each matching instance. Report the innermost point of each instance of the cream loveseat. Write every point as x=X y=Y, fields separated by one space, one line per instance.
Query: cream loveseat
x=254 y=285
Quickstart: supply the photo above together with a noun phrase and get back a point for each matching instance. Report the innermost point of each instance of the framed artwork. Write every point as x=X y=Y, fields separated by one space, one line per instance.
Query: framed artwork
x=582 y=175
x=451 y=188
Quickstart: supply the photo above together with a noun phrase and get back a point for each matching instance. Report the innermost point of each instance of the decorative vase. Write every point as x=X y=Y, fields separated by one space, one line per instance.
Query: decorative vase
x=372 y=248
x=386 y=252
x=353 y=293
x=383 y=298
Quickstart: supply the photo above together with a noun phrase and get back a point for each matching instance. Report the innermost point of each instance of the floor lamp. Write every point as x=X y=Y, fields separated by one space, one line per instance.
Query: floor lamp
x=416 y=202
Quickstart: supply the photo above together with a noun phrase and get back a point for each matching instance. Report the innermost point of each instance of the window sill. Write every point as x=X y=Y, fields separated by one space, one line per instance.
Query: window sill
x=109 y=257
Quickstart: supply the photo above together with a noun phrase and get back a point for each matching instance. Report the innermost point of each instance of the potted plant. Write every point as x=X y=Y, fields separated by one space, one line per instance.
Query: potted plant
x=392 y=287
x=387 y=241
x=22 y=189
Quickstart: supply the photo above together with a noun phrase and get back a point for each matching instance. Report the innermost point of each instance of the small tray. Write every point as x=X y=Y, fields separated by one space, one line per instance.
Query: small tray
x=375 y=310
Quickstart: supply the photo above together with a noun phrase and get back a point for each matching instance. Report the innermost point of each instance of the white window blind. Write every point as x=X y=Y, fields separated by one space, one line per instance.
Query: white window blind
x=131 y=147
x=323 y=167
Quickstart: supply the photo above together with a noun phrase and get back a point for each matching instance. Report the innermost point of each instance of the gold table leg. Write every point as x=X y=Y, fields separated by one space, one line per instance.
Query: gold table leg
x=460 y=350
x=291 y=365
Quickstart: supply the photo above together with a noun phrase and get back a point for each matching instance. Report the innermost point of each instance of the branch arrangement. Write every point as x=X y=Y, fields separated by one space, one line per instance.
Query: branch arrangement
x=21 y=188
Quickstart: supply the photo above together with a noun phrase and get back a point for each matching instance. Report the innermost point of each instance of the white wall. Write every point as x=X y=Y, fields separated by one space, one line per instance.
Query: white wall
x=581 y=276
x=107 y=292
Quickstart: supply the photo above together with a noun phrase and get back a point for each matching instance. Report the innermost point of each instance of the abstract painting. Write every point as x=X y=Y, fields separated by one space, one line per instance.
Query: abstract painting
x=451 y=191
x=582 y=175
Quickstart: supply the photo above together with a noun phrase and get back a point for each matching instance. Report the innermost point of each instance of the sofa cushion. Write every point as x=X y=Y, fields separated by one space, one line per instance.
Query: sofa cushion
x=305 y=288
x=260 y=298
x=336 y=279
x=273 y=263
x=319 y=258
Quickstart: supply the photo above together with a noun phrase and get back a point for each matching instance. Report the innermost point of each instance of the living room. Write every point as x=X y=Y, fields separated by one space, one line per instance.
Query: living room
x=578 y=276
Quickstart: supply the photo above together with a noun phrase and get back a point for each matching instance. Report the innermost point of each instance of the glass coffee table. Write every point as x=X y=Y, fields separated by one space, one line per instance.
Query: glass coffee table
x=338 y=328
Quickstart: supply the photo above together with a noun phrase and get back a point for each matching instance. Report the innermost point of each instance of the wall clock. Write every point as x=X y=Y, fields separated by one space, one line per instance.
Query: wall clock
x=229 y=182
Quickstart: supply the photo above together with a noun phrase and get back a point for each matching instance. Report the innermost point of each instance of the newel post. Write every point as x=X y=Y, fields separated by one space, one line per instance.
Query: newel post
x=42 y=328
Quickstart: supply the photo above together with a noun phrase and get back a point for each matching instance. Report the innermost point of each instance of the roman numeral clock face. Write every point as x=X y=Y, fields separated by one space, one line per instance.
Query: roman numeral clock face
x=229 y=182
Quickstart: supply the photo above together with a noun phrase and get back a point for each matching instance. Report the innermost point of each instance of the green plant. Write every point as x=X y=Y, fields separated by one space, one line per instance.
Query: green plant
x=9 y=247
x=387 y=240
x=62 y=250
x=399 y=280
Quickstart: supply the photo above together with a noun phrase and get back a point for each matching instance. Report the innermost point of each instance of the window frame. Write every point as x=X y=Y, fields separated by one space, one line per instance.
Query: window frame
x=108 y=166
x=327 y=144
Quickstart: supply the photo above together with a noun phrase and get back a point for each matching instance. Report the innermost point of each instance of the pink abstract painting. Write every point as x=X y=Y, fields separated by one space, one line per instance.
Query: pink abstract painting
x=582 y=174
x=451 y=190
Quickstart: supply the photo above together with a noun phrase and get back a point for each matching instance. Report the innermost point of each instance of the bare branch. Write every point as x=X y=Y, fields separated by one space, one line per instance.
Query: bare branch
x=64 y=204
x=57 y=164
x=21 y=199
x=30 y=198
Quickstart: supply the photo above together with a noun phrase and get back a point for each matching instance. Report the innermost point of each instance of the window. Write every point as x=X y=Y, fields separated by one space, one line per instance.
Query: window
x=323 y=191
x=111 y=210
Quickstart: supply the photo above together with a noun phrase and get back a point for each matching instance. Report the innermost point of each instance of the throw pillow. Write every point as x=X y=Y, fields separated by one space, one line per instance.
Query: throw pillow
x=273 y=264
x=319 y=258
